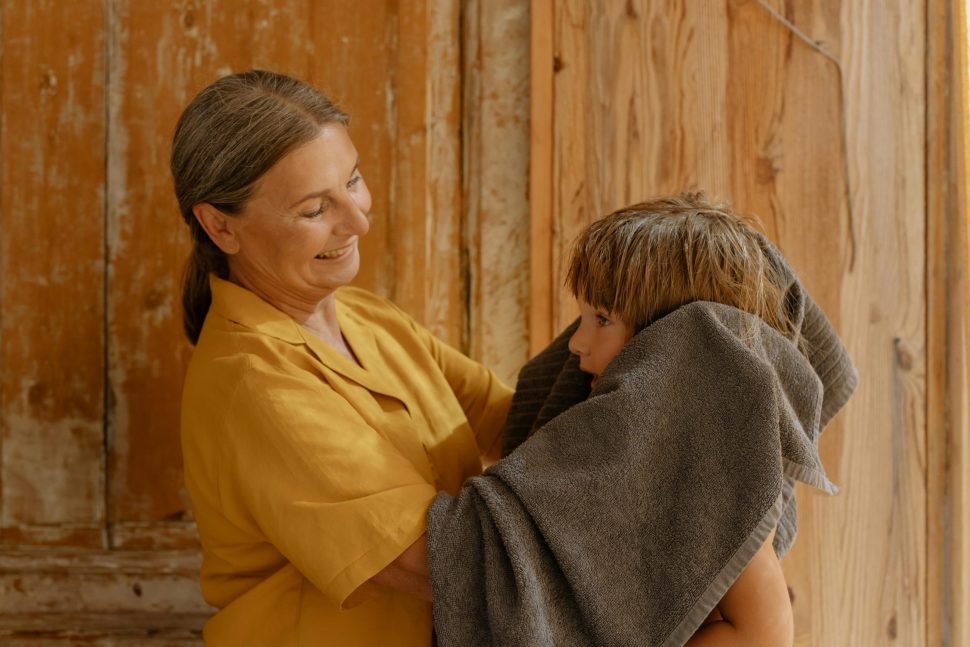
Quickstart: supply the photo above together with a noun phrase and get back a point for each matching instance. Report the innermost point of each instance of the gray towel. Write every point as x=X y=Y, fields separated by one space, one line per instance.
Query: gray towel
x=626 y=515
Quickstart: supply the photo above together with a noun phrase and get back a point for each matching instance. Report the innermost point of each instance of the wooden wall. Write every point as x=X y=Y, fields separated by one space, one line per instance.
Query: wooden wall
x=627 y=100
x=650 y=97
x=94 y=518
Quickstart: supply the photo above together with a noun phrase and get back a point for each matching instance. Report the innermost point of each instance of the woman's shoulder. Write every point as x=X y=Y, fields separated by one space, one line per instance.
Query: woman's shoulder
x=229 y=365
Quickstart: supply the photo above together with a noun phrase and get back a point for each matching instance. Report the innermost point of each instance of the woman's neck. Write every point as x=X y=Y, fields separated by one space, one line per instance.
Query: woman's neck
x=319 y=317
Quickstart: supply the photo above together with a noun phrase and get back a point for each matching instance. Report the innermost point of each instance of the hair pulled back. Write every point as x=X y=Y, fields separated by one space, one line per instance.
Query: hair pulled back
x=644 y=261
x=227 y=138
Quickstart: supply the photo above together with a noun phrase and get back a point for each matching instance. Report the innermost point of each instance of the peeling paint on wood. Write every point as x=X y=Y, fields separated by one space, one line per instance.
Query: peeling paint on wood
x=496 y=172
x=427 y=168
x=52 y=267
x=86 y=589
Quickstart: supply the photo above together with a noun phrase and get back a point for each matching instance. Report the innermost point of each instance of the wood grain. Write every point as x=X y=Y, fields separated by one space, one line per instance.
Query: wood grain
x=52 y=273
x=948 y=326
x=72 y=595
x=654 y=97
x=427 y=165
x=495 y=142
x=542 y=274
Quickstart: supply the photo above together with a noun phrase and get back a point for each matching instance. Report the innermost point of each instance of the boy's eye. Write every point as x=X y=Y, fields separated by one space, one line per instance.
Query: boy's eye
x=603 y=321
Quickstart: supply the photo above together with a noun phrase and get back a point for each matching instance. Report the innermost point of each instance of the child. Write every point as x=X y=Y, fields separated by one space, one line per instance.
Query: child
x=635 y=266
x=650 y=511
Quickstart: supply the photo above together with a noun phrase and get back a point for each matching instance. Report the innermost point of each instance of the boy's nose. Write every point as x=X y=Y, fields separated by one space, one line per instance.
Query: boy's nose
x=576 y=344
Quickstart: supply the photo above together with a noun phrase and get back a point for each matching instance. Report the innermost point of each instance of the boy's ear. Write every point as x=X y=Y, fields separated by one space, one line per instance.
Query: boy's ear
x=219 y=226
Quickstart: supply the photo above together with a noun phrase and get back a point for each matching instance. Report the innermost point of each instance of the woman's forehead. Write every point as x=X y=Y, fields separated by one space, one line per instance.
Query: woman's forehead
x=322 y=164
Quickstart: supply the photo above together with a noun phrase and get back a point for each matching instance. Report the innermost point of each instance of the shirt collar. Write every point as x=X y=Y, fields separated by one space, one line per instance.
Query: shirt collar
x=238 y=304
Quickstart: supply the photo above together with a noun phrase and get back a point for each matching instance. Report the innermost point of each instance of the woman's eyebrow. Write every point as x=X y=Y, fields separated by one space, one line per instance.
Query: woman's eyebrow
x=320 y=194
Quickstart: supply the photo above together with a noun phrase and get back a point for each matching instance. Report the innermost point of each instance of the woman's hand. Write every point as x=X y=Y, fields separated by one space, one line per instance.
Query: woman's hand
x=409 y=572
x=755 y=611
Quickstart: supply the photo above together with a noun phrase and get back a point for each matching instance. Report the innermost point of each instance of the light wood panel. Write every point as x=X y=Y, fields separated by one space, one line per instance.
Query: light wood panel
x=653 y=97
x=495 y=141
x=52 y=273
x=425 y=243
x=542 y=274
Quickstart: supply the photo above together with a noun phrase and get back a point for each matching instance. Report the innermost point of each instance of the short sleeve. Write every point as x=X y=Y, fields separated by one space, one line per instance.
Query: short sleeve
x=483 y=397
x=328 y=491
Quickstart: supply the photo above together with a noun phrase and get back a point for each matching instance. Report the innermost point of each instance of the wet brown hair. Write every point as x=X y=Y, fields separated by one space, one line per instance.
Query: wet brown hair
x=227 y=138
x=646 y=260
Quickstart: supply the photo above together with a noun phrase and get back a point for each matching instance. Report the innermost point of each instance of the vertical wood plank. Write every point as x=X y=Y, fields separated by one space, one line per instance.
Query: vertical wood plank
x=939 y=71
x=652 y=98
x=948 y=326
x=495 y=137
x=52 y=273
x=873 y=583
x=542 y=274
x=427 y=168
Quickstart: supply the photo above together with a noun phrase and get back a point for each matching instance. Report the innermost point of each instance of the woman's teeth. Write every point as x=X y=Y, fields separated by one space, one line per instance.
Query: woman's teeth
x=334 y=253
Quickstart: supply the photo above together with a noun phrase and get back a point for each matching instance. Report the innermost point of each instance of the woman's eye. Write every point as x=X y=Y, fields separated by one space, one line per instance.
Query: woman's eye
x=316 y=212
x=354 y=180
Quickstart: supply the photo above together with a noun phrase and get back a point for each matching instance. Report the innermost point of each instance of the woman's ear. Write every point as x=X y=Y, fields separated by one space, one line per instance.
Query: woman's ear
x=219 y=226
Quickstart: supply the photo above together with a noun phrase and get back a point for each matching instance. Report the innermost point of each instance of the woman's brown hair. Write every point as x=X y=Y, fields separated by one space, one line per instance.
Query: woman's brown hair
x=646 y=260
x=227 y=138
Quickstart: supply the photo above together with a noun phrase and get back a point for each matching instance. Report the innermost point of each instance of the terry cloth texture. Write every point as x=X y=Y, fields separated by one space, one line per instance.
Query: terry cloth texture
x=628 y=513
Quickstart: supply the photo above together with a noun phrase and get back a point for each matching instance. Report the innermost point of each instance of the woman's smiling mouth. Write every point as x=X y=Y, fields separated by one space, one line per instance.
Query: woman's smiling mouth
x=335 y=253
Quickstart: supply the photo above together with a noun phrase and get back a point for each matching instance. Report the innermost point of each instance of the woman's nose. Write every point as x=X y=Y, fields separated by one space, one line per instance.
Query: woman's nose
x=353 y=221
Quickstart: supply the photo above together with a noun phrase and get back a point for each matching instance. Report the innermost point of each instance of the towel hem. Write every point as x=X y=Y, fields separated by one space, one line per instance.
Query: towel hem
x=725 y=578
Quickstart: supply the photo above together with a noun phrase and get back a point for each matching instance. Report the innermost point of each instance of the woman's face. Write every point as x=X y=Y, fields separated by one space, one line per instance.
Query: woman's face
x=598 y=339
x=298 y=234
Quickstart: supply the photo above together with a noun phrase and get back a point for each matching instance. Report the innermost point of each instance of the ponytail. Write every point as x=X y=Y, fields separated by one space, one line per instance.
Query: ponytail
x=206 y=258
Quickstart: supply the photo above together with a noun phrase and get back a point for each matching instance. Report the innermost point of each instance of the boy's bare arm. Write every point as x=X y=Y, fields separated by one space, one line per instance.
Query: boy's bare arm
x=755 y=611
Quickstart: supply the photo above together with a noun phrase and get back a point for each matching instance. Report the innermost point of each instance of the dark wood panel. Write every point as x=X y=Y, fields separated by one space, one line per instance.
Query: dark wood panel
x=52 y=272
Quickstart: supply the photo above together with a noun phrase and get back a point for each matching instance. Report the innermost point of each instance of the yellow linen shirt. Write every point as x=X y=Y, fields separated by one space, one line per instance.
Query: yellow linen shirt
x=310 y=473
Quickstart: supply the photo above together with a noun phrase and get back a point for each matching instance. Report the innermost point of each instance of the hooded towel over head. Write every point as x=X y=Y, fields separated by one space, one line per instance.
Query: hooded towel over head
x=626 y=515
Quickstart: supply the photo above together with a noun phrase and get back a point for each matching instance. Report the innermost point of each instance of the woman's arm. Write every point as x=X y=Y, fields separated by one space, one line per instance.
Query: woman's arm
x=755 y=611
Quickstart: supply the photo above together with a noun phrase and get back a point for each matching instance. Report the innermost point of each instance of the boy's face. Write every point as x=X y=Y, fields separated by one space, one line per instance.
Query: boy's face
x=598 y=339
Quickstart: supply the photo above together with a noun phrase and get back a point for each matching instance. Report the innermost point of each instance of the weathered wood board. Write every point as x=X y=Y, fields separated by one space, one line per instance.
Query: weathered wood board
x=495 y=137
x=52 y=273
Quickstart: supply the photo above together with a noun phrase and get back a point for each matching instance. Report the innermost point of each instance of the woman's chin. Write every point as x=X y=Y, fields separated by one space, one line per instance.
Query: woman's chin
x=337 y=272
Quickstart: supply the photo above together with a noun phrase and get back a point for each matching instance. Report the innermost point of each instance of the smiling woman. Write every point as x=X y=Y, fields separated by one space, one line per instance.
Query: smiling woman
x=295 y=253
x=318 y=420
